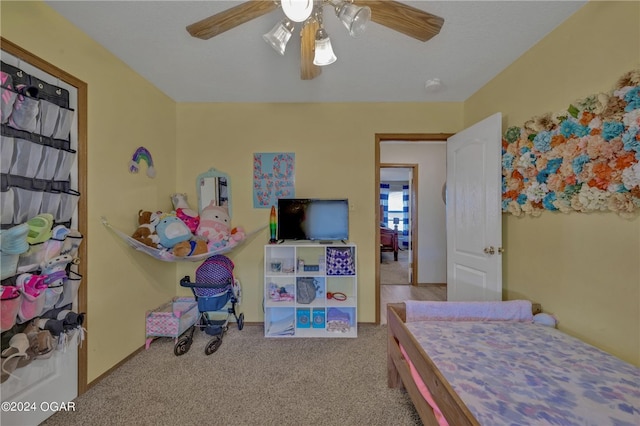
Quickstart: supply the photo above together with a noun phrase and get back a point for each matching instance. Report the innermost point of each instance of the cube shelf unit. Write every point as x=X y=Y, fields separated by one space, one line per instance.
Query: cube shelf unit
x=285 y=316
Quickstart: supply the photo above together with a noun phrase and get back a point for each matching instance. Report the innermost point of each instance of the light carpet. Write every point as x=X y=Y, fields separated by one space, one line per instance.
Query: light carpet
x=250 y=380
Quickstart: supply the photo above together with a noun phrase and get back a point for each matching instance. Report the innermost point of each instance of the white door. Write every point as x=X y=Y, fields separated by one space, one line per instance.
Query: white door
x=474 y=221
x=44 y=386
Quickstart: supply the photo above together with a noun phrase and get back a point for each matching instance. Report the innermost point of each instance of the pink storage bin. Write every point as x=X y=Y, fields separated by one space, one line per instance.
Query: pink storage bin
x=10 y=304
x=171 y=319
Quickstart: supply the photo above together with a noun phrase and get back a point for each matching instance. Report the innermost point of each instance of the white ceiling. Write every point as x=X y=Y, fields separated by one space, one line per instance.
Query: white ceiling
x=478 y=40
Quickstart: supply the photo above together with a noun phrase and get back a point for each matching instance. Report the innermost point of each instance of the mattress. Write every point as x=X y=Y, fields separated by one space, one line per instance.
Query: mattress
x=520 y=373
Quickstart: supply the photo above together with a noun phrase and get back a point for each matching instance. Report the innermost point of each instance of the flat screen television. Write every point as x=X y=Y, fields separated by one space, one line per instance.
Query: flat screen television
x=313 y=219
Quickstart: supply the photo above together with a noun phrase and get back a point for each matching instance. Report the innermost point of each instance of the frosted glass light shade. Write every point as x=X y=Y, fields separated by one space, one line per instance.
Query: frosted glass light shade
x=279 y=35
x=354 y=18
x=324 y=52
x=297 y=10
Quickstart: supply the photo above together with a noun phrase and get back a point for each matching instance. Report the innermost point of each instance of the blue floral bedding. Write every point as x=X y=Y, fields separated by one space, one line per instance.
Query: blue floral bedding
x=519 y=373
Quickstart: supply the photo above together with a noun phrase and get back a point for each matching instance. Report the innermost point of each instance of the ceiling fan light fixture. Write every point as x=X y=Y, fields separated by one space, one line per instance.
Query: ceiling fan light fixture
x=354 y=18
x=279 y=35
x=297 y=10
x=324 y=52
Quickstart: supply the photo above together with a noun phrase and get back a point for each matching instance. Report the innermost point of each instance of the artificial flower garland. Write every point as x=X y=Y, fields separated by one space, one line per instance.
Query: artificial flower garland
x=583 y=159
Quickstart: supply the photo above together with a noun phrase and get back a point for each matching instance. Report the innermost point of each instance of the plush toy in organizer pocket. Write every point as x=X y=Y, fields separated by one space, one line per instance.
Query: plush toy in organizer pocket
x=171 y=231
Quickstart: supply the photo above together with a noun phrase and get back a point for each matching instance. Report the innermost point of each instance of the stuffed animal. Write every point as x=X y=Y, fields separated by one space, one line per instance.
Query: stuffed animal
x=184 y=212
x=171 y=231
x=146 y=231
x=215 y=225
x=189 y=217
x=179 y=201
x=190 y=248
x=237 y=234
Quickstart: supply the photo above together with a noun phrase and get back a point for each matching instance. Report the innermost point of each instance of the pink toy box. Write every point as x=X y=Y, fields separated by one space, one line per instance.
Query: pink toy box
x=171 y=319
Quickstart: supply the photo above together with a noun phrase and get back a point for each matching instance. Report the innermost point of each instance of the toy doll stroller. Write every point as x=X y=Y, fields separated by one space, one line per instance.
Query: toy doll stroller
x=216 y=292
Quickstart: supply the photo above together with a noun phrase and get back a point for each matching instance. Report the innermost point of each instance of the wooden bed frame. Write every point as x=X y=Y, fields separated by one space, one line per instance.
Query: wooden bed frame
x=399 y=374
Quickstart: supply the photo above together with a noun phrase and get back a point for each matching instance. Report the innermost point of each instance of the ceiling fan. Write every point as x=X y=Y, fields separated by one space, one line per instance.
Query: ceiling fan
x=354 y=14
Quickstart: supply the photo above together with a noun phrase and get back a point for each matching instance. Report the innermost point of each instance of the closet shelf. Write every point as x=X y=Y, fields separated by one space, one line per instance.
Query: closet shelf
x=166 y=256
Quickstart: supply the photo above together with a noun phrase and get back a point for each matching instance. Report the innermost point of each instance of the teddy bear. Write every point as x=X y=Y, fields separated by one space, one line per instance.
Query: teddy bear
x=146 y=231
x=190 y=248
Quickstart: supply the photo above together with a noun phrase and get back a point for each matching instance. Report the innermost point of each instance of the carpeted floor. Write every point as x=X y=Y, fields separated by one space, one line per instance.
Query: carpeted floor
x=250 y=380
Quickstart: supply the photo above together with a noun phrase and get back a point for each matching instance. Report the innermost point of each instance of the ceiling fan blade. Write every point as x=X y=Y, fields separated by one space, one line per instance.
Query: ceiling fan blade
x=230 y=18
x=308 y=71
x=406 y=19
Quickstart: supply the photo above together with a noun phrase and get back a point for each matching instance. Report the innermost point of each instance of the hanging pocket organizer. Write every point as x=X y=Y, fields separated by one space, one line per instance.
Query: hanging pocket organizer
x=36 y=156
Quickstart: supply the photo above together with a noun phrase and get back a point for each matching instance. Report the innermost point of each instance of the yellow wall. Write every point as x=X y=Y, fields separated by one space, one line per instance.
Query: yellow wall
x=582 y=267
x=334 y=146
x=125 y=112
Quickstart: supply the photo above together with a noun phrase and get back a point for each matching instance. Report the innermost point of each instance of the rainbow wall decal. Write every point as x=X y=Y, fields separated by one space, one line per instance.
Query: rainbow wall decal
x=142 y=154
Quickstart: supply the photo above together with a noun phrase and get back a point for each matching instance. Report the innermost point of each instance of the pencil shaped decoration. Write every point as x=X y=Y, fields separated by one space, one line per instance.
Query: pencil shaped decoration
x=272 y=225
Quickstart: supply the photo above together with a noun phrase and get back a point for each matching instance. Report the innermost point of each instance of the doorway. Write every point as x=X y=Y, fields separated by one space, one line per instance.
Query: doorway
x=398 y=204
x=436 y=290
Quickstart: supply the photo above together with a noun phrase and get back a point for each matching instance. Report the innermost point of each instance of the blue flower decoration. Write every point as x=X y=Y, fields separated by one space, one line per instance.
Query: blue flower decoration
x=570 y=128
x=542 y=176
x=566 y=128
x=542 y=141
x=505 y=204
x=507 y=161
x=548 y=200
x=632 y=97
x=630 y=141
x=522 y=199
x=581 y=131
x=579 y=162
x=611 y=130
x=553 y=165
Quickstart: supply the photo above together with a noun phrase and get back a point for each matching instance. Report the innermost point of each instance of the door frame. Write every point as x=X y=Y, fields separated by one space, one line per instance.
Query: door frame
x=81 y=158
x=398 y=137
x=413 y=208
